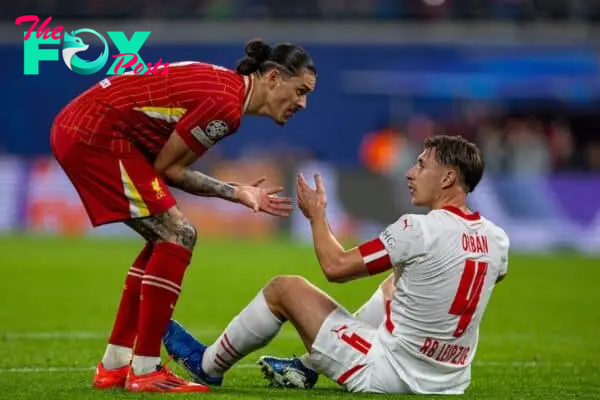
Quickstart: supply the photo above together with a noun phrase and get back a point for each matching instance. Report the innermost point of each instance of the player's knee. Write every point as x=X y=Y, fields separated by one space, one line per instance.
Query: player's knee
x=278 y=291
x=281 y=286
x=181 y=232
x=186 y=235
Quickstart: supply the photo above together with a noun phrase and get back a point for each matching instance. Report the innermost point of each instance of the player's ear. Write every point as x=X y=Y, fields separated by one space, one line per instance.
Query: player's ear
x=449 y=178
x=273 y=77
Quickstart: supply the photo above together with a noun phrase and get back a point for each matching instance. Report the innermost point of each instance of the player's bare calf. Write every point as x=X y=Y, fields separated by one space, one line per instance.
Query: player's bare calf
x=282 y=295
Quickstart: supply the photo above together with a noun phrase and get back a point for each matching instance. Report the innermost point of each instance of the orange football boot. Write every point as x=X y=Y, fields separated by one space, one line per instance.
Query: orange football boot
x=110 y=378
x=162 y=380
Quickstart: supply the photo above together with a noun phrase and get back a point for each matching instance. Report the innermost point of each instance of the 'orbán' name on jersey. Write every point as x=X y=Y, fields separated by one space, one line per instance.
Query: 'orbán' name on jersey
x=475 y=243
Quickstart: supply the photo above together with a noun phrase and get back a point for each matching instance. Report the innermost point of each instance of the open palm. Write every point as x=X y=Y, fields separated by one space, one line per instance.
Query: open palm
x=264 y=199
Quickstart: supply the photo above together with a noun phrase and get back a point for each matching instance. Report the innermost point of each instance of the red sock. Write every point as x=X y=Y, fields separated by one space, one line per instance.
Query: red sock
x=125 y=326
x=161 y=286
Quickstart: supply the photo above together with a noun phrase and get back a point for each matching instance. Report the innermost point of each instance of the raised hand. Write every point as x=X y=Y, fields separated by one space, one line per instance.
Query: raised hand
x=312 y=202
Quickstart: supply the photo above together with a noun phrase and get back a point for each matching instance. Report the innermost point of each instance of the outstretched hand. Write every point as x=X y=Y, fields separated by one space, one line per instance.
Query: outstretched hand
x=255 y=183
x=312 y=202
x=264 y=199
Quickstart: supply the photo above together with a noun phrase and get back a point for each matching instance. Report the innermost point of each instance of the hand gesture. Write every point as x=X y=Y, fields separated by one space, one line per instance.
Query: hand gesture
x=265 y=200
x=255 y=183
x=312 y=202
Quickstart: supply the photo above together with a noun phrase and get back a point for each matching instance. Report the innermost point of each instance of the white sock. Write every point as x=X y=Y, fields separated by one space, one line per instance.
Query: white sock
x=372 y=312
x=305 y=359
x=250 y=330
x=143 y=365
x=116 y=356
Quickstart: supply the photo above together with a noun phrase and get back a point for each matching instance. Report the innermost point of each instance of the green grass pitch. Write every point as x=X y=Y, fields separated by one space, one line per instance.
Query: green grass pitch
x=540 y=338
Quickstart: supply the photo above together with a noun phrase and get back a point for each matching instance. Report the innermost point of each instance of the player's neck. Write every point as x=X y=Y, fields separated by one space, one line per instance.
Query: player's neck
x=258 y=98
x=457 y=200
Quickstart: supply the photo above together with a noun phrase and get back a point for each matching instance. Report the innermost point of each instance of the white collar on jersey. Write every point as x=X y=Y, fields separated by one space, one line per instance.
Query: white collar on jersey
x=249 y=85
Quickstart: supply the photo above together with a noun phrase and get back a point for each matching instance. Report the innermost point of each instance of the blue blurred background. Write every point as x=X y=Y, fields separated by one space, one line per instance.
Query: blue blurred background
x=520 y=77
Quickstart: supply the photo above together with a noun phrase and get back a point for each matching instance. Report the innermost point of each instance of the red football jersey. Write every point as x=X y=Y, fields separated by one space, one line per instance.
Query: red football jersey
x=202 y=102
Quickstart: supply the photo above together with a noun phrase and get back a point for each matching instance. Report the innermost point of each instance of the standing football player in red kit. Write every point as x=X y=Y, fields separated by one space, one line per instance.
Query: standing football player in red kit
x=124 y=141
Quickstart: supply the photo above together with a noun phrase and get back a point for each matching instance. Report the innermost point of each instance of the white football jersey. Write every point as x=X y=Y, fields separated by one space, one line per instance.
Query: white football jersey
x=447 y=264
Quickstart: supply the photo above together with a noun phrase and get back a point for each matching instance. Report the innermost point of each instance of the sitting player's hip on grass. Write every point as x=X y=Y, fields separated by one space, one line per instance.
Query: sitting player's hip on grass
x=418 y=333
x=125 y=141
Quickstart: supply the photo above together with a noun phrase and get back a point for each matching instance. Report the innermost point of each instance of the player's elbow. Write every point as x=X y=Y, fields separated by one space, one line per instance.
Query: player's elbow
x=500 y=278
x=344 y=267
x=173 y=173
x=336 y=271
x=334 y=275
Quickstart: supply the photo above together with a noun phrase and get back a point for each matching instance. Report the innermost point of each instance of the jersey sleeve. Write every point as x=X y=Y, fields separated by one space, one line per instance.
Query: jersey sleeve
x=399 y=244
x=505 y=243
x=209 y=122
x=503 y=266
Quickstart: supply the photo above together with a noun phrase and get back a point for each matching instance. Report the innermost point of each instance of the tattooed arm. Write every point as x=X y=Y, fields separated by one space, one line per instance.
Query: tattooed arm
x=174 y=161
x=199 y=184
x=251 y=196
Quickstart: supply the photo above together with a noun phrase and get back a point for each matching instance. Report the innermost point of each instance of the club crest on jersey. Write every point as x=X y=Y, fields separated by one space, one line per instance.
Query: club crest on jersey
x=216 y=129
x=158 y=190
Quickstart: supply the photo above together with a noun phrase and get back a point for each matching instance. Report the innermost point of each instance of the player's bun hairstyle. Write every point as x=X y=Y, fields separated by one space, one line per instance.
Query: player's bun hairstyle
x=285 y=57
x=458 y=152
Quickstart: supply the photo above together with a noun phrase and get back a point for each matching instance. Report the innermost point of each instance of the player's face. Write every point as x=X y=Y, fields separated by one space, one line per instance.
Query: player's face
x=289 y=94
x=426 y=179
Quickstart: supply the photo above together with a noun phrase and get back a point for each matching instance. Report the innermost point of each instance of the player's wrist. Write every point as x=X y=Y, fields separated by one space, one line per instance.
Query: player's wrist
x=235 y=192
x=318 y=217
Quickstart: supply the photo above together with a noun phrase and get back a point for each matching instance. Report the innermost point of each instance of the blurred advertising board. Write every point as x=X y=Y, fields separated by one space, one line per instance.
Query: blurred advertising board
x=12 y=193
x=53 y=206
x=539 y=213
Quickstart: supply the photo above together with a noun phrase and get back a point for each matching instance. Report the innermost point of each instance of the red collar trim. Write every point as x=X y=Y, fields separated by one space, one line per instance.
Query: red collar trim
x=457 y=211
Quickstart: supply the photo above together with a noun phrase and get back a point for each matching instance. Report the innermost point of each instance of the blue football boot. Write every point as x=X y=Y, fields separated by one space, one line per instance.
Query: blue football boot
x=188 y=352
x=287 y=372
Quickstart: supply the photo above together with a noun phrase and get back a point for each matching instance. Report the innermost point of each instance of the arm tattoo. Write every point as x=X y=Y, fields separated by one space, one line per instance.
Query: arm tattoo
x=197 y=183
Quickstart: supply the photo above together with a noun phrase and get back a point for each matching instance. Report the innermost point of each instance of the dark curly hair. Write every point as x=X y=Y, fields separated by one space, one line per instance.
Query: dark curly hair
x=285 y=57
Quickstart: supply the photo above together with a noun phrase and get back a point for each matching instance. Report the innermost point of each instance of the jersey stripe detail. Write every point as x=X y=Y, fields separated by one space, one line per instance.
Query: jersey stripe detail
x=389 y=324
x=137 y=206
x=375 y=256
x=348 y=374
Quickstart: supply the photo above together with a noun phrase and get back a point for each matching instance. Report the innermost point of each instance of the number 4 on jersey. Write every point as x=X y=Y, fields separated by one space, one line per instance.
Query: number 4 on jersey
x=468 y=293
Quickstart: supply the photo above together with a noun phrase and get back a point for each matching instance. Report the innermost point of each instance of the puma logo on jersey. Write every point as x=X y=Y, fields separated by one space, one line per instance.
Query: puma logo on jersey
x=339 y=330
x=406 y=224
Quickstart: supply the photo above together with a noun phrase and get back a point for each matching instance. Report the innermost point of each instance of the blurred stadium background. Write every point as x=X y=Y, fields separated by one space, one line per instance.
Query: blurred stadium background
x=520 y=77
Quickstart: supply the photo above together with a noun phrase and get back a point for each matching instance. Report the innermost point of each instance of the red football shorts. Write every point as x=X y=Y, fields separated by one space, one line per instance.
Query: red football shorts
x=113 y=185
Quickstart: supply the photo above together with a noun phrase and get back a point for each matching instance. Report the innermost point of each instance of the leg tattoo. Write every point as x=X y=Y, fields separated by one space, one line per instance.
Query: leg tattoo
x=171 y=226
